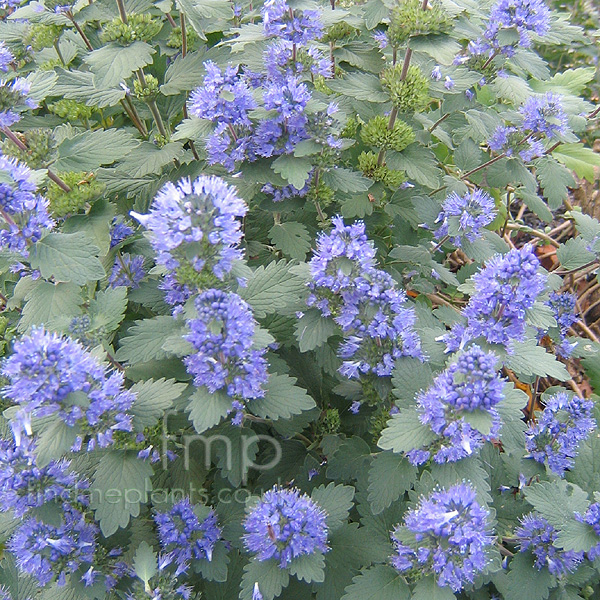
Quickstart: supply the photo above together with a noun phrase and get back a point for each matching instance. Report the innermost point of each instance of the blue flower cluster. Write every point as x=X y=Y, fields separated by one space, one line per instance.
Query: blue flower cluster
x=564 y=423
x=6 y=57
x=537 y=535
x=363 y=300
x=463 y=217
x=504 y=290
x=24 y=212
x=25 y=485
x=223 y=336
x=13 y=97
x=542 y=116
x=194 y=226
x=563 y=307
x=525 y=16
x=127 y=271
x=184 y=536
x=471 y=383
x=592 y=518
x=448 y=534
x=49 y=374
x=284 y=525
x=227 y=98
x=51 y=552
x=119 y=232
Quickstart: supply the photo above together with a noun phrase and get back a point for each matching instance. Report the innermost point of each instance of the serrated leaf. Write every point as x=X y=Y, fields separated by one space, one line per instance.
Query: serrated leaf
x=274 y=289
x=428 y=589
x=67 y=257
x=147 y=158
x=419 y=163
x=557 y=501
x=291 y=238
x=282 y=399
x=350 y=459
x=54 y=441
x=345 y=180
x=96 y=224
x=576 y=536
x=152 y=399
x=390 y=476
x=527 y=358
x=120 y=484
x=79 y=85
x=378 y=583
x=184 y=74
x=361 y=86
x=206 y=409
x=270 y=577
x=574 y=254
x=144 y=562
x=114 y=63
x=405 y=432
x=295 y=170
x=309 y=568
x=554 y=179
x=48 y=301
x=144 y=340
x=578 y=158
x=313 y=330
x=88 y=150
x=336 y=501
x=409 y=377
x=524 y=580
x=481 y=420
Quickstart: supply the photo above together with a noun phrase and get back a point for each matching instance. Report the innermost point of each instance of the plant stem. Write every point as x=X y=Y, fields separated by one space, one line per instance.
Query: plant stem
x=183 y=35
x=60 y=56
x=153 y=107
x=440 y=120
x=122 y=11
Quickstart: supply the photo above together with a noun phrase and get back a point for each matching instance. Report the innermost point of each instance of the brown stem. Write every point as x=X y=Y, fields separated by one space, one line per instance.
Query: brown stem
x=14 y=139
x=153 y=107
x=171 y=20
x=484 y=165
x=440 y=120
x=489 y=60
x=58 y=181
x=183 y=35
x=80 y=31
x=122 y=11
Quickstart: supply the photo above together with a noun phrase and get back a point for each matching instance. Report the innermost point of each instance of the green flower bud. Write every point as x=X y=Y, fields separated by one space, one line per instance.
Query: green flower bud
x=340 y=31
x=41 y=148
x=330 y=422
x=376 y=134
x=71 y=109
x=410 y=95
x=147 y=92
x=410 y=20
x=139 y=27
x=84 y=190
x=43 y=36
x=367 y=162
x=320 y=84
x=176 y=39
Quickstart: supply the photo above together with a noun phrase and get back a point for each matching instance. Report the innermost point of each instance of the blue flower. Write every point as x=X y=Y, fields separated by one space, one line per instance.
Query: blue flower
x=563 y=307
x=448 y=534
x=537 y=535
x=6 y=57
x=49 y=552
x=465 y=216
x=13 y=99
x=299 y=27
x=564 y=423
x=127 y=271
x=24 y=212
x=471 y=383
x=501 y=139
x=526 y=16
x=284 y=525
x=184 y=536
x=49 y=374
x=195 y=226
x=25 y=485
x=592 y=518
x=223 y=336
x=119 y=232
x=545 y=115
x=504 y=290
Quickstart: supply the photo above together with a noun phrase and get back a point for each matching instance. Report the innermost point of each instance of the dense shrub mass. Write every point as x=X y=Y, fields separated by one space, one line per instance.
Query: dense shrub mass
x=297 y=301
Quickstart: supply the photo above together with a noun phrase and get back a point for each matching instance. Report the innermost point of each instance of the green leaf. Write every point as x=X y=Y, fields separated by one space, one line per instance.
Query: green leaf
x=269 y=576
x=554 y=179
x=313 y=330
x=536 y=204
x=96 y=224
x=114 y=63
x=107 y=309
x=378 y=583
x=350 y=460
x=18 y=584
x=360 y=86
x=576 y=536
x=282 y=399
x=153 y=398
x=588 y=227
x=571 y=81
x=524 y=580
x=295 y=170
x=390 y=476
x=578 y=158
x=145 y=339
x=574 y=254
x=419 y=163
x=54 y=441
x=88 y=150
x=206 y=409
x=557 y=501
x=512 y=88
x=428 y=589
x=79 y=85
x=336 y=501
x=49 y=301
x=120 y=484
x=309 y=568
x=345 y=180
x=147 y=158
x=67 y=257
x=405 y=432
x=144 y=562
x=292 y=238
x=481 y=420
x=276 y=288
x=409 y=377
x=184 y=74
x=527 y=358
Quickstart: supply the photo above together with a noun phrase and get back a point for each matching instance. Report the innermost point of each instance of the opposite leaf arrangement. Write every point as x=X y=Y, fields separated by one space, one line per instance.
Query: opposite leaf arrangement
x=291 y=302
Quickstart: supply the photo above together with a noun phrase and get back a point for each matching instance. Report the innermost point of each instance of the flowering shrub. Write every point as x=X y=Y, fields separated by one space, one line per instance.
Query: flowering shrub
x=297 y=301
